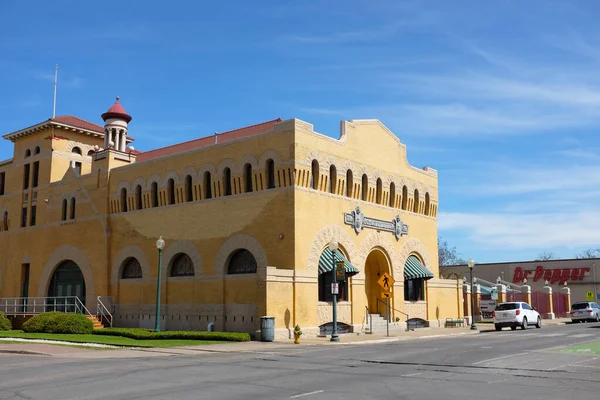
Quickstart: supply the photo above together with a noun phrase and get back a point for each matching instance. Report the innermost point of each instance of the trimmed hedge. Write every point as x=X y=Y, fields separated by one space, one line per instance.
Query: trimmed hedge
x=58 y=322
x=149 y=334
x=5 y=324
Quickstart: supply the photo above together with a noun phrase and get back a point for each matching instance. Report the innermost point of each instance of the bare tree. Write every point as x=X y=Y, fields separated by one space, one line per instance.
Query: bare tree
x=546 y=255
x=447 y=256
x=589 y=253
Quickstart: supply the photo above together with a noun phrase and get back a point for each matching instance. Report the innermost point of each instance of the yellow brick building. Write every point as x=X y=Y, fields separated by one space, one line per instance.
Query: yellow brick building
x=246 y=215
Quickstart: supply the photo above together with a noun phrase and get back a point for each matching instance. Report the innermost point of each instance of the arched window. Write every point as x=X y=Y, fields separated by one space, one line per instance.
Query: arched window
x=248 y=177
x=207 y=185
x=332 y=179
x=365 y=187
x=182 y=265
x=392 y=194
x=72 y=207
x=64 y=210
x=76 y=150
x=90 y=153
x=123 y=200
x=154 y=194
x=227 y=181
x=189 y=188
x=241 y=262
x=427 y=205
x=5 y=220
x=270 y=174
x=314 y=184
x=404 y=197
x=349 y=183
x=171 y=190
x=27 y=153
x=36 y=150
x=416 y=202
x=138 y=197
x=131 y=269
x=379 y=191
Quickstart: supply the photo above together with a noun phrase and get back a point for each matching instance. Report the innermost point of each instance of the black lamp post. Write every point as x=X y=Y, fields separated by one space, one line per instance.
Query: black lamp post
x=333 y=246
x=471 y=264
x=160 y=244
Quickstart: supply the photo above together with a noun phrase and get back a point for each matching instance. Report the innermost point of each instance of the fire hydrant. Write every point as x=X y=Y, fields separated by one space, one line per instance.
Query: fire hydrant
x=297 y=333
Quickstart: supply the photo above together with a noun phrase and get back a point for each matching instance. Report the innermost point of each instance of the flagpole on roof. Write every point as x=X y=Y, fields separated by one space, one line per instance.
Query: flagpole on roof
x=55 y=81
x=54 y=103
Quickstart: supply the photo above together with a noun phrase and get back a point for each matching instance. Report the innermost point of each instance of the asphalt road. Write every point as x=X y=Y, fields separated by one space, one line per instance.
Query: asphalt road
x=490 y=365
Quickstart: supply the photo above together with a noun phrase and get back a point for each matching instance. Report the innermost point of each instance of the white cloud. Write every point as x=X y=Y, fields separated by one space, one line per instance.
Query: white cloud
x=526 y=231
x=508 y=180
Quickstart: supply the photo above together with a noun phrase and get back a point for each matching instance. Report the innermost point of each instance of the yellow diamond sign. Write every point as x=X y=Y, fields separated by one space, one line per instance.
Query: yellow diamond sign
x=386 y=281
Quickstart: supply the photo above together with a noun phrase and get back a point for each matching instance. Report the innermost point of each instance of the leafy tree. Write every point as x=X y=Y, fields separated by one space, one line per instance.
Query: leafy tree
x=589 y=253
x=546 y=255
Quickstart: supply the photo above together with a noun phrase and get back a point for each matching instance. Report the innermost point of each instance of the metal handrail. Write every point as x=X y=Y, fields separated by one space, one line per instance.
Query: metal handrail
x=102 y=312
x=38 y=305
x=387 y=314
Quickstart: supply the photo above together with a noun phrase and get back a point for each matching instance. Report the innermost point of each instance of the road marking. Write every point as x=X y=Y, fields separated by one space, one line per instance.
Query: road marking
x=580 y=335
x=415 y=374
x=306 y=394
x=499 y=358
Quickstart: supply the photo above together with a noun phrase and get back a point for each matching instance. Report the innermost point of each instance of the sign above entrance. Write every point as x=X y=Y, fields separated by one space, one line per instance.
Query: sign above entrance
x=589 y=296
x=358 y=221
x=386 y=281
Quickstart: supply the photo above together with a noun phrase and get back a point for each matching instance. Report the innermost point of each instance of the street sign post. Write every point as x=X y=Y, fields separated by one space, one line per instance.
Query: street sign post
x=335 y=289
x=386 y=282
x=589 y=296
x=340 y=271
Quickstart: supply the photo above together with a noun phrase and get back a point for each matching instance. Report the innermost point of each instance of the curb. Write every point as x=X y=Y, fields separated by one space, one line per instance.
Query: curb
x=24 y=352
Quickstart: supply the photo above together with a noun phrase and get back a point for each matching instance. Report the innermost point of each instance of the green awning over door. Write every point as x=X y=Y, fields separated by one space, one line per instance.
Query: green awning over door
x=326 y=263
x=413 y=269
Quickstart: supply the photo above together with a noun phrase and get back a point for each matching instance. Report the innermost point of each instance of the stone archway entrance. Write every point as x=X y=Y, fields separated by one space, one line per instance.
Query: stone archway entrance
x=377 y=263
x=67 y=281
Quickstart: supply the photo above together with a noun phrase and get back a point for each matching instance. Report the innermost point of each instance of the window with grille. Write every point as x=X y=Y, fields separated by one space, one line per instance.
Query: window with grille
x=182 y=265
x=242 y=262
x=131 y=269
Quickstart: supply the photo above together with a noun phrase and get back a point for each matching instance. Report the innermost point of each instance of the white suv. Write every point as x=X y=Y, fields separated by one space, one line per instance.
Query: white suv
x=585 y=311
x=515 y=314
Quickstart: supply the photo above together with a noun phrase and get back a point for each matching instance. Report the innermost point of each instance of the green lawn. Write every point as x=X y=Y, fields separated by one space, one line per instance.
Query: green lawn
x=586 y=348
x=112 y=340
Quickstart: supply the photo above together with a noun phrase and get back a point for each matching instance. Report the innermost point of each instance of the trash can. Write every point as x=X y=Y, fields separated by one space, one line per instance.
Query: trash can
x=267 y=329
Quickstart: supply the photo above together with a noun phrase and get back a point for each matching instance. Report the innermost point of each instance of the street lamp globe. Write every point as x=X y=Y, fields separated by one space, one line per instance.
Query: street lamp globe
x=333 y=245
x=160 y=243
x=471 y=263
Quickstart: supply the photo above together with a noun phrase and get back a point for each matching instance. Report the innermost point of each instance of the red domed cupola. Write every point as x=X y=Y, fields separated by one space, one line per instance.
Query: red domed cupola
x=116 y=111
x=115 y=127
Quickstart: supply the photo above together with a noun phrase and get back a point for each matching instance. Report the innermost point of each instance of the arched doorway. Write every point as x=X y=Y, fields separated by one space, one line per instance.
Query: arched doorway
x=67 y=281
x=376 y=265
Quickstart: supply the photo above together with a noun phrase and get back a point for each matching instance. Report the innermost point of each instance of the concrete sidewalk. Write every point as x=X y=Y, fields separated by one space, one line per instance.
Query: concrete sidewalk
x=247 y=347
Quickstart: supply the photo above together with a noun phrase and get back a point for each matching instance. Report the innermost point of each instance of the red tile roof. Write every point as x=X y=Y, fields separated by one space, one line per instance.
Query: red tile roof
x=208 y=140
x=78 y=123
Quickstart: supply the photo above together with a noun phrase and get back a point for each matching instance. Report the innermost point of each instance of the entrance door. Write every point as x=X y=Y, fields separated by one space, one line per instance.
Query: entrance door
x=66 y=283
x=375 y=266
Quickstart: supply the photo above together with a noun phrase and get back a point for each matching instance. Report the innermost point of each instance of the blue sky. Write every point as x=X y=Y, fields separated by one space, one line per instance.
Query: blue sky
x=503 y=97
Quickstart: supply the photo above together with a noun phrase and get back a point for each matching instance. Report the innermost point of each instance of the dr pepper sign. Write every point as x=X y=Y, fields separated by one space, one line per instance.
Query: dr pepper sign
x=557 y=275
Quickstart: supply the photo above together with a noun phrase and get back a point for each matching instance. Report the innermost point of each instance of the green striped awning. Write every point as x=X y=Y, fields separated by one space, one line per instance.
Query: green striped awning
x=413 y=269
x=326 y=263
